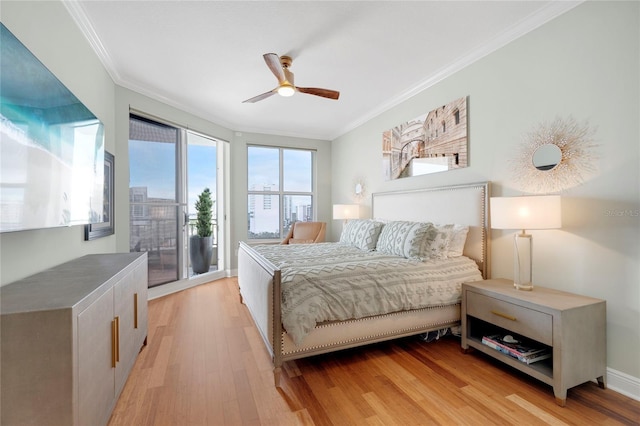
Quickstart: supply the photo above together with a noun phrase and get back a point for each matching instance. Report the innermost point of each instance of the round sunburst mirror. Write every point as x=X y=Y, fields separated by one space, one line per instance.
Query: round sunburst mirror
x=554 y=156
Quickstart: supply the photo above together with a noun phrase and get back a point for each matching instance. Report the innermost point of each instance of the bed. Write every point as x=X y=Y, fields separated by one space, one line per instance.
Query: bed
x=266 y=274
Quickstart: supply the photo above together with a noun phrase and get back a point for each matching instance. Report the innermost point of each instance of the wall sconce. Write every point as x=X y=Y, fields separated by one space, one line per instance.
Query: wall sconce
x=346 y=211
x=531 y=212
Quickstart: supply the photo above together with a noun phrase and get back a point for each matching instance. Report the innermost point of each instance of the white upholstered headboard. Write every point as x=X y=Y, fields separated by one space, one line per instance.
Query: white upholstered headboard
x=460 y=204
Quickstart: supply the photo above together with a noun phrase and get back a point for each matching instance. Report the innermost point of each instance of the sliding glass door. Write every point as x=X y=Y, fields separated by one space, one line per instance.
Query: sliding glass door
x=169 y=167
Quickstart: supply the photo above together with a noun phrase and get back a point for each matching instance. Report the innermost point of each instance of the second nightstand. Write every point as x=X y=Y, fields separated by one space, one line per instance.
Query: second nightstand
x=573 y=327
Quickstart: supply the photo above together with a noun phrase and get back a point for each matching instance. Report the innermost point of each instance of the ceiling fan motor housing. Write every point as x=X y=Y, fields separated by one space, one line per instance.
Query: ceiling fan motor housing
x=286 y=61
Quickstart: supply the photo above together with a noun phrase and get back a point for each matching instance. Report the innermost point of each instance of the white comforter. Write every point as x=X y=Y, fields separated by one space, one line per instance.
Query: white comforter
x=333 y=281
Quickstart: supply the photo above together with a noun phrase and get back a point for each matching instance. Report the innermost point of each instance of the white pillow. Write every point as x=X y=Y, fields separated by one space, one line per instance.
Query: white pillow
x=361 y=233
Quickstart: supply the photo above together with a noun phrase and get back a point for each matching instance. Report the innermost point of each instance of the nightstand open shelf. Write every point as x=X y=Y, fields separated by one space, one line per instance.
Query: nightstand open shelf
x=478 y=328
x=572 y=326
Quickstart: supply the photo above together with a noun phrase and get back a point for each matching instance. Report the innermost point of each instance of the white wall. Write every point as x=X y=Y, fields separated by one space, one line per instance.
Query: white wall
x=583 y=64
x=48 y=31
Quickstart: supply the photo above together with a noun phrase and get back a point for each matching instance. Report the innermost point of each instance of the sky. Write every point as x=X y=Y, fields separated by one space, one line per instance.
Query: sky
x=264 y=170
x=153 y=166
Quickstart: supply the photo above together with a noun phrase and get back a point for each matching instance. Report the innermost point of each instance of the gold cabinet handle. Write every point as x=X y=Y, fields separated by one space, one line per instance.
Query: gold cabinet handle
x=114 y=344
x=117 y=321
x=500 y=314
x=135 y=310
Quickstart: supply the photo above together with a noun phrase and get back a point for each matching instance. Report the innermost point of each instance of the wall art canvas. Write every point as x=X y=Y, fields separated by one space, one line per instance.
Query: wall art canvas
x=51 y=147
x=434 y=142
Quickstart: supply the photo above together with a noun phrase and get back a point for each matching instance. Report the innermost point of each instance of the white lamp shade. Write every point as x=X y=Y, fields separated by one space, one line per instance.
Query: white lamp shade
x=346 y=211
x=530 y=212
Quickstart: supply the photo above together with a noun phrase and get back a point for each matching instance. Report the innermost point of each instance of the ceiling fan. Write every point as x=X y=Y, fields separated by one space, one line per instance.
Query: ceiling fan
x=279 y=66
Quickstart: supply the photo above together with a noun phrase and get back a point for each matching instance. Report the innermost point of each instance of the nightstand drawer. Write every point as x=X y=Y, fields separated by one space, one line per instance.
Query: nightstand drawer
x=527 y=322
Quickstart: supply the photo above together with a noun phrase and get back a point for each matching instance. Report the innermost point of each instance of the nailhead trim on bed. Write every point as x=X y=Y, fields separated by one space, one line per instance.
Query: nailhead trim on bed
x=368 y=337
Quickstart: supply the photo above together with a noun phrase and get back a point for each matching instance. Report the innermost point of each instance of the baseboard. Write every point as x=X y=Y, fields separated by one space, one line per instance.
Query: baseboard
x=176 y=286
x=623 y=383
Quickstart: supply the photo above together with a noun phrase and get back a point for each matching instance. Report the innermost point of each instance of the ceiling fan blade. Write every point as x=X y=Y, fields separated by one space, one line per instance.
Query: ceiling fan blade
x=273 y=62
x=325 y=93
x=261 y=97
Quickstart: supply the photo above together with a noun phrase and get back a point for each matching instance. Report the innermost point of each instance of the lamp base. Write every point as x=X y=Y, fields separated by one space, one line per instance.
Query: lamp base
x=522 y=248
x=524 y=287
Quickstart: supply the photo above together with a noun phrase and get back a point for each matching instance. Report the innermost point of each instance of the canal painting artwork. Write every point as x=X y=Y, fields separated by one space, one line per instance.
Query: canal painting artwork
x=434 y=142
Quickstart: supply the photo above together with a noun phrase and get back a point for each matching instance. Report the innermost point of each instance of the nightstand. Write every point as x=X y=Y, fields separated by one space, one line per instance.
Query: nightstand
x=573 y=327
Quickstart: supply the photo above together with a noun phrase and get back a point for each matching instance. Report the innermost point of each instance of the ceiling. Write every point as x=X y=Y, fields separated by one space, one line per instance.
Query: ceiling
x=205 y=57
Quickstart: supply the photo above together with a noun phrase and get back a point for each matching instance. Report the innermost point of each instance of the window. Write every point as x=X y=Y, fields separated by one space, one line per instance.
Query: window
x=280 y=190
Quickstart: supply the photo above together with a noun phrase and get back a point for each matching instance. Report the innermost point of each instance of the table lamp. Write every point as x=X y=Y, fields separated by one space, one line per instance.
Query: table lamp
x=346 y=211
x=526 y=212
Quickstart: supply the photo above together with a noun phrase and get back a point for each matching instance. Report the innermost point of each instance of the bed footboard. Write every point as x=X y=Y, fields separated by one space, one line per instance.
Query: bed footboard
x=255 y=281
x=259 y=282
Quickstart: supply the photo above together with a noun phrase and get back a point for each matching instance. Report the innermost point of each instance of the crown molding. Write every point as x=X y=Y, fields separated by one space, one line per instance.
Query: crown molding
x=85 y=25
x=517 y=30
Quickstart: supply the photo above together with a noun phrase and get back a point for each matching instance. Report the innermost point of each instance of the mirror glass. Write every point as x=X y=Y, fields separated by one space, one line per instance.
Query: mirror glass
x=546 y=157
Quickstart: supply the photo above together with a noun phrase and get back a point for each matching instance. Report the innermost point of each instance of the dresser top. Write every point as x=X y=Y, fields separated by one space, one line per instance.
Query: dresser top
x=539 y=296
x=66 y=285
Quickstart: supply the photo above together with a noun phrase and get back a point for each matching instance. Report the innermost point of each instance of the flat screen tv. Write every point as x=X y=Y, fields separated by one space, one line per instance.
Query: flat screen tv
x=51 y=147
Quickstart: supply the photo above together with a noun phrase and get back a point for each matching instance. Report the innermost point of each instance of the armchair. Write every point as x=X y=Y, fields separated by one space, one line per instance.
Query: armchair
x=306 y=233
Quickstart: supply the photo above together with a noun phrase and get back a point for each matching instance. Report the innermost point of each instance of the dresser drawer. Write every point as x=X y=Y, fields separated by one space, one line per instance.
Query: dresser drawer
x=519 y=319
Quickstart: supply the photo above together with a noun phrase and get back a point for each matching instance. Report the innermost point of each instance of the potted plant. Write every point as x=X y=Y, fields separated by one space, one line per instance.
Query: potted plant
x=201 y=244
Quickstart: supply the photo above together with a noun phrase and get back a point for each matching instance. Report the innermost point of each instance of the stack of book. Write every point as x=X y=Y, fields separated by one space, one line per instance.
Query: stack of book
x=525 y=352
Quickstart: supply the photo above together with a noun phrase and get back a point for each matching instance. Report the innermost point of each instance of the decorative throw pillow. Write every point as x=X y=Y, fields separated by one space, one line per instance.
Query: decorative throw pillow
x=456 y=236
x=438 y=246
x=412 y=240
x=361 y=233
x=457 y=240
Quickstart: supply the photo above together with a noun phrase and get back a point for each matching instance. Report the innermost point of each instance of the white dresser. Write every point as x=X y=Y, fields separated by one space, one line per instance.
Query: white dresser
x=70 y=336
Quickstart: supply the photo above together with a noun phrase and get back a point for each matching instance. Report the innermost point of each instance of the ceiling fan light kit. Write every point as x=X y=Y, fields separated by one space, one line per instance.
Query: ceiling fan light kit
x=286 y=90
x=279 y=66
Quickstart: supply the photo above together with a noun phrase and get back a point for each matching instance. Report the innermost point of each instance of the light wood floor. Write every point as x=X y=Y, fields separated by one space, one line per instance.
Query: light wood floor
x=205 y=364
